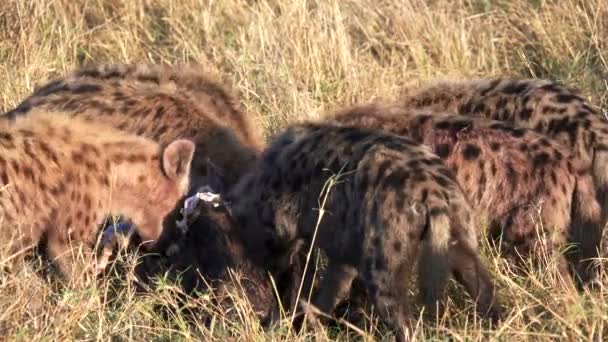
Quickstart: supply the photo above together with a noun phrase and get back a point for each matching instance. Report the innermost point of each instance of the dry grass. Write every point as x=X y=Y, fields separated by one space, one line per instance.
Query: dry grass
x=289 y=60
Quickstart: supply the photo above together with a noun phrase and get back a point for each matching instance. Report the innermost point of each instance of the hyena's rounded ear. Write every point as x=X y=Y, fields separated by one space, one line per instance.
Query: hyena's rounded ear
x=177 y=157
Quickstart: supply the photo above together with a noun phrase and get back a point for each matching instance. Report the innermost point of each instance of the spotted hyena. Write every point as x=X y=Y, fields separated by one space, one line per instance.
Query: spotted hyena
x=166 y=102
x=62 y=176
x=394 y=204
x=521 y=181
x=544 y=106
x=162 y=103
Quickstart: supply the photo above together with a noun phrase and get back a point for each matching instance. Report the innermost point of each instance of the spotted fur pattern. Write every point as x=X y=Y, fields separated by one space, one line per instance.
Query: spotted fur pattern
x=162 y=103
x=394 y=204
x=62 y=177
x=536 y=196
x=542 y=105
x=167 y=102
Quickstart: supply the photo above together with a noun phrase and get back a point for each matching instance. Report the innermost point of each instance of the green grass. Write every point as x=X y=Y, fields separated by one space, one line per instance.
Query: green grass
x=291 y=60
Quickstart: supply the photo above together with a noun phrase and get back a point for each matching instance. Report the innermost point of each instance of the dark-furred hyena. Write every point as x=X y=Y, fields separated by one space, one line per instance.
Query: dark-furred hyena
x=162 y=103
x=512 y=176
x=203 y=262
x=395 y=204
x=61 y=177
x=544 y=106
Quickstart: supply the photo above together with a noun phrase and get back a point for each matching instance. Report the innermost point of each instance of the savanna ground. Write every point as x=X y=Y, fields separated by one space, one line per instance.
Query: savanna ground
x=291 y=60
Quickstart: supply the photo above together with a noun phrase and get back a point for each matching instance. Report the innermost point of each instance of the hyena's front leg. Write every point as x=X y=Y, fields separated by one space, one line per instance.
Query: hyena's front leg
x=334 y=286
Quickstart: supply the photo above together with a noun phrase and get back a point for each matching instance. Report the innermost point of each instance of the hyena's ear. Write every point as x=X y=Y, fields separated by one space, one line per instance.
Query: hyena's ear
x=177 y=157
x=215 y=177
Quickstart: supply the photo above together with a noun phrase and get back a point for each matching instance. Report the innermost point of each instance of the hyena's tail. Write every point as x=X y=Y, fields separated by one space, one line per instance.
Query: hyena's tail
x=433 y=265
x=585 y=230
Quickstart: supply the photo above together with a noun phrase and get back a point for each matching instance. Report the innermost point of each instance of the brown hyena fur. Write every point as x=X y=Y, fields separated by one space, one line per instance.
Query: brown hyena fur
x=62 y=177
x=394 y=204
x=544 y=106
x=536 y=196
x=162 y=103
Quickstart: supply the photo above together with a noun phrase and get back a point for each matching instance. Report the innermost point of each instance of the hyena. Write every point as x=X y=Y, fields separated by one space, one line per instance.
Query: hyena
x=61 y=177
x=517 y=178
x=167 y=102
x=162 y=103
x=394 y=204
x=542 y=105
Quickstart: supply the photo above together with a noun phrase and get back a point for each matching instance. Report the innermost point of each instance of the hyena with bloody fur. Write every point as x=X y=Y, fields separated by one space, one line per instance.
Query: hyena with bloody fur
x=542 y=105
x=160 y=102
x=61 y=177
x=536 y=196
x=394 y=204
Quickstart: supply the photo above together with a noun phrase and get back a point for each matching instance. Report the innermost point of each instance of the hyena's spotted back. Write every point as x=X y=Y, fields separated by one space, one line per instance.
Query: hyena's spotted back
x=515 y=177
x=162 y=103
x=209 y=93
x=544 y=106
x=394 y=203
